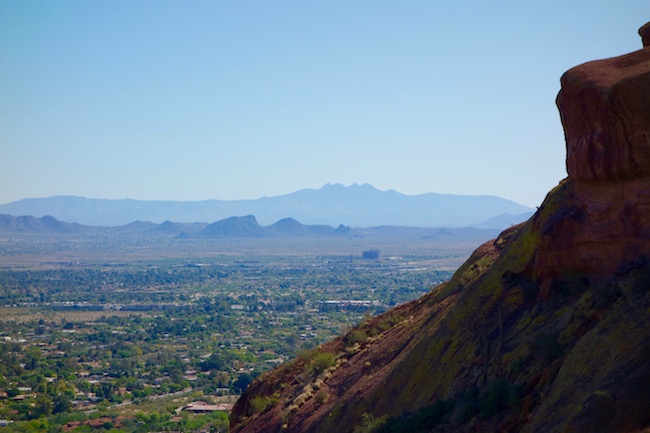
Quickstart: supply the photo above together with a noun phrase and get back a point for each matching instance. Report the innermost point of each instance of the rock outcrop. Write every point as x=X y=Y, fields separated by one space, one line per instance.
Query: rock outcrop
x=544 y=329
x=605 y=112
x=605 y=217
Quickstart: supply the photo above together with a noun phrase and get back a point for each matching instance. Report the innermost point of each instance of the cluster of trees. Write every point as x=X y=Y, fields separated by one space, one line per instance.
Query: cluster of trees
x=92 y=284
x=29 y=369
x=388 y=282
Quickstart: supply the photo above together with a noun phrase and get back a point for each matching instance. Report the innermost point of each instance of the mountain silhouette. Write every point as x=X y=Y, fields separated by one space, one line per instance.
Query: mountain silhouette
x=333 y=204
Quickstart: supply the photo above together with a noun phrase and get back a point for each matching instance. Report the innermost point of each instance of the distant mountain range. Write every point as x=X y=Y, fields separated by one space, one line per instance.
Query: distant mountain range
x=234 y=227
x=333 y=204
x=30 y=224
x=248 y=226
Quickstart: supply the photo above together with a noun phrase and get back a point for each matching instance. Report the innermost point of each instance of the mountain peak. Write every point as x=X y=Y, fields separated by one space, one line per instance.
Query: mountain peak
x=352 y=186
x=244 y=226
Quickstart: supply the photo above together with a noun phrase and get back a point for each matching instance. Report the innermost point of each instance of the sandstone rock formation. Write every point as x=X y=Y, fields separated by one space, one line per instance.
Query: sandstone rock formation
x=605 y=220
x=544 y=329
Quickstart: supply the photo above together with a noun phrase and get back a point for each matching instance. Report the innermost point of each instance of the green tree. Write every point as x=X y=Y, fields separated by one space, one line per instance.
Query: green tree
x=241 y=383
x=42 y=406
x=61 y=403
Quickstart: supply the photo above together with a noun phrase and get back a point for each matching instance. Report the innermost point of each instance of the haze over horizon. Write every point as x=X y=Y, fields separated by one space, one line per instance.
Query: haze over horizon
x=331 y=185
x=170 y=101
x=333 y=204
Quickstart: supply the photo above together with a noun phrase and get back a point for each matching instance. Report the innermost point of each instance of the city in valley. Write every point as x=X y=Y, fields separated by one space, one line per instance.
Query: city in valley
x=129 y=333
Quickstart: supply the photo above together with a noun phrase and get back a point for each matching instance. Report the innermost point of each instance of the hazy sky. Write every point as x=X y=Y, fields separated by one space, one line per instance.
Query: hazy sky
x=241 y=99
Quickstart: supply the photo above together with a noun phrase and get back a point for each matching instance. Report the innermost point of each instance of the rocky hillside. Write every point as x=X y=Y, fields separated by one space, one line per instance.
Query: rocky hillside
x=545 y=329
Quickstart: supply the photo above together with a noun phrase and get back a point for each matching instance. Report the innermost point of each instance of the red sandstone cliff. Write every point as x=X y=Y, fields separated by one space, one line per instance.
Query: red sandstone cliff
x=605 y=110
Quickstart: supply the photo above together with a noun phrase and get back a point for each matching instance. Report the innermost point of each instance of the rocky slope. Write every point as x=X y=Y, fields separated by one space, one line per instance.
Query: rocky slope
x=544 y=329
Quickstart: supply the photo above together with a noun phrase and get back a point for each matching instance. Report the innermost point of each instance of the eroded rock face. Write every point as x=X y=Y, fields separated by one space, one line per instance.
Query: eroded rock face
x=605 y=110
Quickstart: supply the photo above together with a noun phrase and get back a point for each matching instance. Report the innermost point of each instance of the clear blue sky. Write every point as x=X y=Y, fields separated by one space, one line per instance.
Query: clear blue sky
x=242 y=99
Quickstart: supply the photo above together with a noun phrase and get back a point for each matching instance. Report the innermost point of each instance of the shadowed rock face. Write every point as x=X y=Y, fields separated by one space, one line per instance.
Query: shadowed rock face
x=544 y=329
